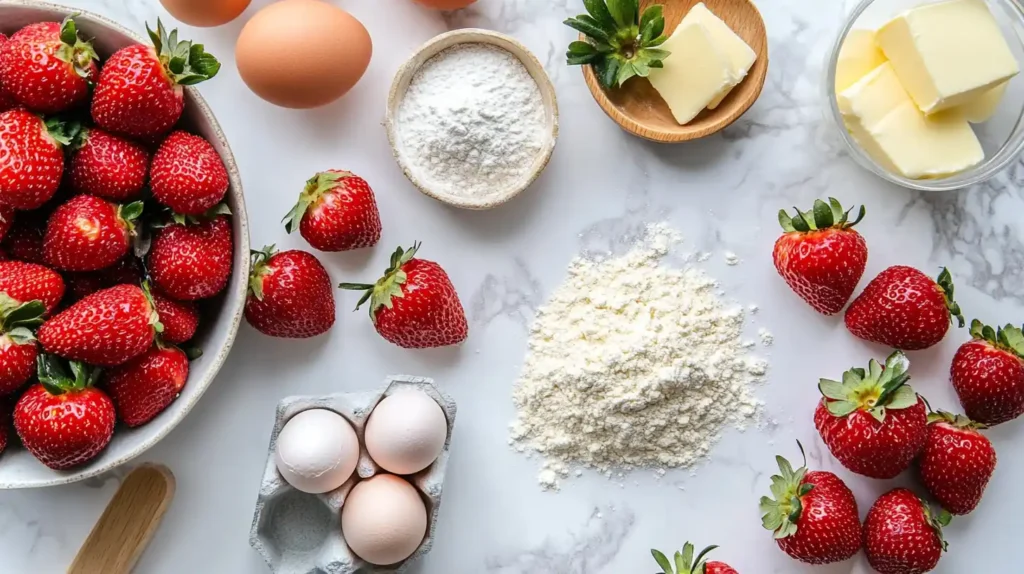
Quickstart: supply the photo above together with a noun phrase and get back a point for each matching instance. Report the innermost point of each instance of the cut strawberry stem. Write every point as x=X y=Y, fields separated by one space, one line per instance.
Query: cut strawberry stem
x=316 y=186
x=945 y=282
x=258 y=265
x=621 y=43
x=17 y=319
x=937 y=521
x=1008 y=338
x=875 y=391
x=822 y=216
x=55 y=378
x=781 y=512
x=685 y=563
x=957 y=421
x=388 y=287
x=186 y=63
x=63 y=131
x=154 y=316
x=75 y=51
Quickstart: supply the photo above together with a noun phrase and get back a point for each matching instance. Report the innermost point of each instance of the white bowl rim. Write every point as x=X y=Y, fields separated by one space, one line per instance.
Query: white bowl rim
x=241 y=244
x=471 y=36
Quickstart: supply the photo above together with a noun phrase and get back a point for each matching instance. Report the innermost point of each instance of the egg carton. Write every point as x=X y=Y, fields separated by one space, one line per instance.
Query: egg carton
x=300 y=533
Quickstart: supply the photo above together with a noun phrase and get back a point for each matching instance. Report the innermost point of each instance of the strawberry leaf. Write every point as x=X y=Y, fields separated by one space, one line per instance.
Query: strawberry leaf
x=624 y=12
x=662 y=561
x=832 y=389
x=841 y=408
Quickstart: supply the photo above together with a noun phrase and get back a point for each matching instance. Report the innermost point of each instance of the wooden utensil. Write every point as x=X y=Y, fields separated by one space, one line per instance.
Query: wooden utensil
x=128 y=523
x=640 y=110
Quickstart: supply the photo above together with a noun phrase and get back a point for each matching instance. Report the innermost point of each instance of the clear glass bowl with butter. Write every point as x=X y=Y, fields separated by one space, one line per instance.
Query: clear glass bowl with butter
x=1001 y=137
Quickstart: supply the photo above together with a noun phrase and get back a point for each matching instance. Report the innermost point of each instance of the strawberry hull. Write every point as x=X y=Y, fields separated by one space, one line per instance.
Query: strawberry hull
x=870 y=448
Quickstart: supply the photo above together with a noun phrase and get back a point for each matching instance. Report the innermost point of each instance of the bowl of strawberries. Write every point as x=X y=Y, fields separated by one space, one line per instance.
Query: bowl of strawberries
x=124 y=246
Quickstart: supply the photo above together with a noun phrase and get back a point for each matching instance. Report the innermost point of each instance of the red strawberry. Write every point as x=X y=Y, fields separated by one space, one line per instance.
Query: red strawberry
x=24 y=242
x=904 y=309
x=813 y=515
x=190 y=262
x=685 y=563
x=6 y=101
x=17 y=343
x=88 y=233
x=47 y=68
x=902 y=535
x=336 y=212
x=5 y=424
x=6 y=220
x=873 y=422
x=290 y=295
x=64 y=421
x=31 y=158
x=26 y=282
x=820 y=256
x=107 y=328
x=988 y=374
x=108 y=166
x=144 y=387
x=415 y=304
x=179 y=318
x=957 y=462
x=124 y=272
x=140 y=90
x=188 y=175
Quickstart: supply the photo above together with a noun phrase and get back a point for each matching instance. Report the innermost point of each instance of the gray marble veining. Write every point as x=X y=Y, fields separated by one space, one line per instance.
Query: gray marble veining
x=600 y=189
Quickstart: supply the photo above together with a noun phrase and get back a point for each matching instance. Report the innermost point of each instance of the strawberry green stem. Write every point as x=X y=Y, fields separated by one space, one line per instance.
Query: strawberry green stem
x=388 y=287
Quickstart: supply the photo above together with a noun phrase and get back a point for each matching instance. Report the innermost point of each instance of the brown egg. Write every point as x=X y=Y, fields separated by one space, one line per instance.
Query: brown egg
x=205 y=13
x=302 y=53
x=445 y=4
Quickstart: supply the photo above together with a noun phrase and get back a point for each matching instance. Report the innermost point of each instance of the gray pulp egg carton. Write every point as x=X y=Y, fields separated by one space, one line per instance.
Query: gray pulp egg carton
x=300 y=533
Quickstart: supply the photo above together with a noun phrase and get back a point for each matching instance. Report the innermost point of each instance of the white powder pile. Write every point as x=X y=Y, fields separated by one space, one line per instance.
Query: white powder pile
x=472 y=122
x=632 y=364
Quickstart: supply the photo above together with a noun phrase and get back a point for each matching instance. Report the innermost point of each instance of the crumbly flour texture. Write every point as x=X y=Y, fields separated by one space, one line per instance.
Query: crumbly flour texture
x=472 y=122
x=633 y=364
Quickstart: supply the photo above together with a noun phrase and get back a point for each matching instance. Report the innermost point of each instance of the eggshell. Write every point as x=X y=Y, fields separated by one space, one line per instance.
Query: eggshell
x=406 y=432
x=445 y=4
x=205 y=13
x=317 y=451
x=302 y=53
x=384 y=520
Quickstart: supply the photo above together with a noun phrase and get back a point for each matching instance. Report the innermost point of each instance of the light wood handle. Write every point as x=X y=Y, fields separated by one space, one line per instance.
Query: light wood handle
x=128 y=523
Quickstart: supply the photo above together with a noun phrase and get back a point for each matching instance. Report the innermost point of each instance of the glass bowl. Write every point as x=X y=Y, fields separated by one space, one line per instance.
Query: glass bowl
x=1002 y=137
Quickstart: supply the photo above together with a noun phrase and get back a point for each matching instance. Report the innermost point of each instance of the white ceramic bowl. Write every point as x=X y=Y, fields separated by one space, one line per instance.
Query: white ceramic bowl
x=404 y=77
x=1002 y=137
x=18 y=468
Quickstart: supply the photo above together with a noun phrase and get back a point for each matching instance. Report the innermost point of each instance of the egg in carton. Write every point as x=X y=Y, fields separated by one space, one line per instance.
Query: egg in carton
x=300 y=533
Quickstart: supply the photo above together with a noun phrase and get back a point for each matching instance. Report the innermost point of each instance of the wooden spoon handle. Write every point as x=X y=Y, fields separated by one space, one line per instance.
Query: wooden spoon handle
x=128 y=523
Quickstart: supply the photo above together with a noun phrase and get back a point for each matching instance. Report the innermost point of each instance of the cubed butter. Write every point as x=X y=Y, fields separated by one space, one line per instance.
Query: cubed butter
x=858 y=56
x=887 y=123
x=741 y=56
x=982 y=108
x=694 y=75
x=947 y=54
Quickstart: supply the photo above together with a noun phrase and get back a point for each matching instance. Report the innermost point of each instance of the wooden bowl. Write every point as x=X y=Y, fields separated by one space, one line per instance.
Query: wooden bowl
x=473 y=36
x=641 y=111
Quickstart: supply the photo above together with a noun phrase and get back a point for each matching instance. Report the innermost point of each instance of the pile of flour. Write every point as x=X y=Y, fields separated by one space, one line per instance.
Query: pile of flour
x=632 y=364
x=472 y=122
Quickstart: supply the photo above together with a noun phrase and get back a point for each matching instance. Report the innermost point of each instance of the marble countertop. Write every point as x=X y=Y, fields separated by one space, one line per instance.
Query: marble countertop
x=601 y=187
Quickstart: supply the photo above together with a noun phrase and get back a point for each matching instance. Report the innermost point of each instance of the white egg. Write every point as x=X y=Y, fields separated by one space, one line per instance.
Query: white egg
x=317 y=451
x=406 y=432
x=384 y=520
